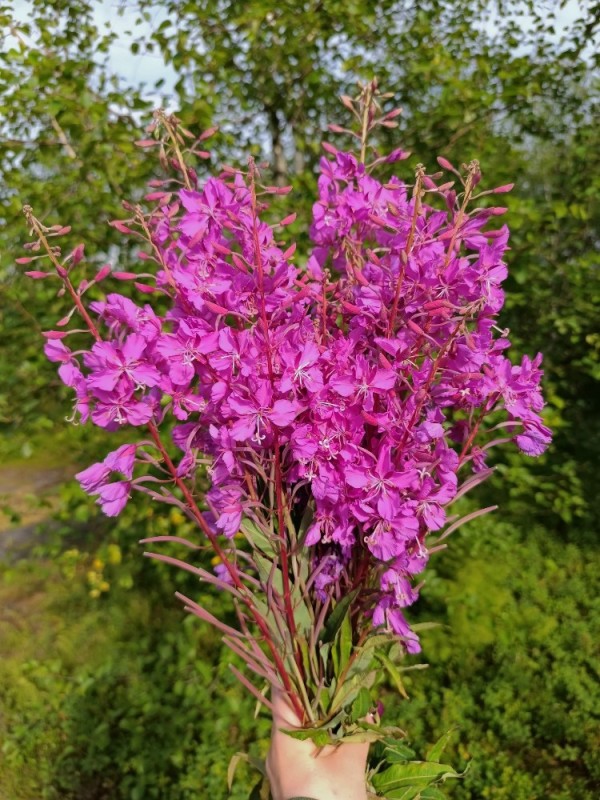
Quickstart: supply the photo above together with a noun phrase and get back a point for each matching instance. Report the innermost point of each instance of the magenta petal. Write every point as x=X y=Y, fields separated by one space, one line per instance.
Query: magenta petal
x=208 y=343
x=310 y=354
x=313 y=534
x=241 y=406
x=105 y=380
x=357 y=478
x=104 y=416
x=191 y=201
x=122 y=460
x=384 y=379
x=113 y=497
x=70 y=375
x=55 y=350
x=181 y=373
x=138 y=413
x=342 y=385
x=133 y=347
x=92 y=478
x=193 y=225
x=242 y=429
x=284 y=412
x=387 y=506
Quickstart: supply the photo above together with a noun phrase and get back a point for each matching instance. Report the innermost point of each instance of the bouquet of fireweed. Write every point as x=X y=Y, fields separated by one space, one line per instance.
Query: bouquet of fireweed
x=317 y=420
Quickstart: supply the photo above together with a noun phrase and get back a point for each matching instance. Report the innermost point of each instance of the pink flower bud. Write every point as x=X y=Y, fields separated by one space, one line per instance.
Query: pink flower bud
x=508 y=187
x=164 y=197
x=393 y=114
x=397 y=155
x=77 y=254
x=208 y=133
x=103 y=273
x=120 y=226
x=37 y=275
x=54 y=334
x=443 y=162
x=144 y=288
x=415 y=328
x=216 y=308
x=124 y=276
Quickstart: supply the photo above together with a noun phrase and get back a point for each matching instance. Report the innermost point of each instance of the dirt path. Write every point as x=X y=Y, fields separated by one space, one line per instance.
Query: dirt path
x=28 y=494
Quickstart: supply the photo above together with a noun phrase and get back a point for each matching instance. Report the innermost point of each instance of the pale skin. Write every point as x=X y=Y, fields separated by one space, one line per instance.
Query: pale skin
x=299 y=770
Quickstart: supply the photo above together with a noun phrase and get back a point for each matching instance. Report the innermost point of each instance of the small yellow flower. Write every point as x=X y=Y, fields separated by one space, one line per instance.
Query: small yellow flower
x=177 y=517
x=114 y=554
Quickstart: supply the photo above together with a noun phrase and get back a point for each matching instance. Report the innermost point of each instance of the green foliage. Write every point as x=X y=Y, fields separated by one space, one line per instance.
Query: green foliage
x=112 y=699
x=514 y=666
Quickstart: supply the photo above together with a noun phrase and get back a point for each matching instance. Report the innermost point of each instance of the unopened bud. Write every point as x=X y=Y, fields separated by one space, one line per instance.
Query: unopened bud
x=37 y=275
x=77 y=254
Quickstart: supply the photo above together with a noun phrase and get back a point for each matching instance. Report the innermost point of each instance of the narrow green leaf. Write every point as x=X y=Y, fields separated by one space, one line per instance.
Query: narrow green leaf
x=438 y=748
x=431 y=793
x=236 y=758
x=334 y=622
x=345 y=644
x=414 y=773
x=361 y=705
x=350 y=689
x=233 y=764
x=318 y=736
x=408 y=793
x=393 y=672
x=398 y=752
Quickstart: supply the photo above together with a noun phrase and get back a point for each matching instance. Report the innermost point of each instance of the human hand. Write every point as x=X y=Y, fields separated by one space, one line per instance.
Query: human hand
x=298 y=769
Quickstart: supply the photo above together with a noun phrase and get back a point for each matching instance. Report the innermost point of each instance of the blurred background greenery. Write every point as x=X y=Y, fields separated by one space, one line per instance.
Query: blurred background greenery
x=105 y=691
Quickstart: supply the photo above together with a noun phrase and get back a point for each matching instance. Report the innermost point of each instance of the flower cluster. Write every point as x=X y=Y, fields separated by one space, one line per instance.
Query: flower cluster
x=338 y=405
x=366 y=375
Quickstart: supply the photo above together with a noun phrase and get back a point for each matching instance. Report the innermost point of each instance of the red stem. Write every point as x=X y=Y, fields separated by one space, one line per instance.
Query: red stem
x=407 y=250
x=81 y=308
x=230 y=569
x=283 y=553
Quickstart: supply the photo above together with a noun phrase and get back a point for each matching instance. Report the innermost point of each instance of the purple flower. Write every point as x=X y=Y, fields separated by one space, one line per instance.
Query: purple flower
x=256 y=414
x=122 y=460
x=374 y=369
x=301 y=370
x=113 y=497
x=110 y=363
x=93 y=477
x=120 y=407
